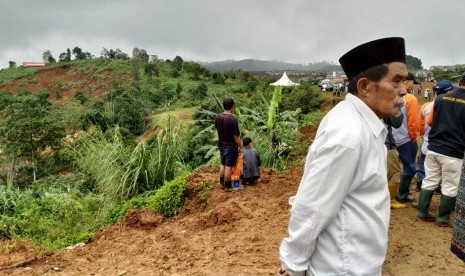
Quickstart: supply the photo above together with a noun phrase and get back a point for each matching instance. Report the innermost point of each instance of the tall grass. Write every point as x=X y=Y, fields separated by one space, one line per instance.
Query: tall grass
x=121 y=170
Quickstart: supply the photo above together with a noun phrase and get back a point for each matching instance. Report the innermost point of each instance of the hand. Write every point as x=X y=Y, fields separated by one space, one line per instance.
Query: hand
x=282 y=272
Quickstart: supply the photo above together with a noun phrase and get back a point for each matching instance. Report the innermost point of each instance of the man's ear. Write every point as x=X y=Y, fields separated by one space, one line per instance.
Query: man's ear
x=363 y=87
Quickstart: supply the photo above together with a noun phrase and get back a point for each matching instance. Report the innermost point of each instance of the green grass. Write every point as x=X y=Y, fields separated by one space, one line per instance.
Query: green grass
x=182 y=114
x=16 y=73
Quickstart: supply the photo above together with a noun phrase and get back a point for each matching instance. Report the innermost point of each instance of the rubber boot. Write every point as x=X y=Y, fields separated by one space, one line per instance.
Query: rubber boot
x=228 y=186
x=418 y=188
x=404 y=189
x=424 y=201
x=446 y=205
x=393 y=187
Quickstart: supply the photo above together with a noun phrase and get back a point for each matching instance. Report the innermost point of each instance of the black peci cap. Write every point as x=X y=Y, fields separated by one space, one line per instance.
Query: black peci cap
x=371 y=54
x=411 y=77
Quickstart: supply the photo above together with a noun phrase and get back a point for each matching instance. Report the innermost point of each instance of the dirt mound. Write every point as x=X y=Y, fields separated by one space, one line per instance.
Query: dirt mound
x=142 y=219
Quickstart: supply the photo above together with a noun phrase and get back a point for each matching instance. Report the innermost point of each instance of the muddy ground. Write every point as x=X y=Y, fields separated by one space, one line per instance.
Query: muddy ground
x=237 y=233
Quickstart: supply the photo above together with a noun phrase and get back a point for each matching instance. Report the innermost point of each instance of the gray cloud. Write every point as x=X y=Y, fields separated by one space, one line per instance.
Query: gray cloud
x=298 y=31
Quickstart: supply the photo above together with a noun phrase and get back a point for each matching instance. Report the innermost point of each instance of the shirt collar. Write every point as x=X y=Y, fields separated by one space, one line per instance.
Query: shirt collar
x=376 y=125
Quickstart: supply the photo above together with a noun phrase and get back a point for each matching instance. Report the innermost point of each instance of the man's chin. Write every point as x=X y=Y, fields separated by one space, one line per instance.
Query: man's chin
x=394 y=112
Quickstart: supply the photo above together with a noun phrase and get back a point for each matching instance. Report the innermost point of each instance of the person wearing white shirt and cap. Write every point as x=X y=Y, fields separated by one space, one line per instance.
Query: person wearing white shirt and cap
x=340 y=214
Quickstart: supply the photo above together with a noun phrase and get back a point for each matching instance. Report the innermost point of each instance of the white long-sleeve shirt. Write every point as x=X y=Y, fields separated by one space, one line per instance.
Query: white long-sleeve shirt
x=340 y=215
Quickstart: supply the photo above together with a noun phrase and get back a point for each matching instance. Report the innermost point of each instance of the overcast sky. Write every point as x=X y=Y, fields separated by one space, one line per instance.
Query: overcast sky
x=297 y=31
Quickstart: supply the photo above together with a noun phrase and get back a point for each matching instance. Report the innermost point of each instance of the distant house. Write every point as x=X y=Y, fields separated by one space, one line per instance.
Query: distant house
x=33 y=64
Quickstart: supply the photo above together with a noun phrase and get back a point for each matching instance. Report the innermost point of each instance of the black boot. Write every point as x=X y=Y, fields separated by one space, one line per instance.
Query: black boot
x=228 y=186
x=404 y=189
x=419 y=185
x=446 y=205
x=424 y=201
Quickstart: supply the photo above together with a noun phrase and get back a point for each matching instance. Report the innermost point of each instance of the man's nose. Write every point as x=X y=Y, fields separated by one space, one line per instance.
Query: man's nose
x=403 y=89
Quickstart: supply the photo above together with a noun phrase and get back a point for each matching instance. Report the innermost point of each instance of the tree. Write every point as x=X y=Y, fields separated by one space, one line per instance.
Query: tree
x=47 y=57
x=201 y=91
x=129 y=113
x=78 y=53
x=65 y=57
x=11 y=64
x=151 y=69
x=193 y=69
x=28 y=128
x=178 y=90
x=218 y=78
x=178 y=63
x=140 y=55
x=114 y=54
x=413 y=63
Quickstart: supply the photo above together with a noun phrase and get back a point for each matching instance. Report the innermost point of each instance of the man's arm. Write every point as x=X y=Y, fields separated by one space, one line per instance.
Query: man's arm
x=238 y=141
x=323 y=188
x=429 y=118
x=412 y=118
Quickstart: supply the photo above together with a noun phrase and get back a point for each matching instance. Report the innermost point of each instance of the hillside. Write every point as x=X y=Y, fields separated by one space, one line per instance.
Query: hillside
x=64 y=82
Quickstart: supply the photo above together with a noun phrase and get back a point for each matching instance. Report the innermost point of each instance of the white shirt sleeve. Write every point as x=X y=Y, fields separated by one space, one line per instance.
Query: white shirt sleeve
x=325 y=184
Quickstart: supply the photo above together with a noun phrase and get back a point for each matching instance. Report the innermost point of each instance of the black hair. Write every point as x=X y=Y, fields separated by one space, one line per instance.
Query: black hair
x=228 y=103
x=374 y=74
x=461 y=82
x=246 y=141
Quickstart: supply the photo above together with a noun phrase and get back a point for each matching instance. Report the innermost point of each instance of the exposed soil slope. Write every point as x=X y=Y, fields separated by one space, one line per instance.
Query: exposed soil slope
x=64 y=83
x=237 y=233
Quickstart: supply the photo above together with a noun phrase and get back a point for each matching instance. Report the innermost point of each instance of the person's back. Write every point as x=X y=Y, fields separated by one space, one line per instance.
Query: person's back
x=447 y=134
x=226 y=125
x=444 y=156
x=229 y=142
x=251 y=163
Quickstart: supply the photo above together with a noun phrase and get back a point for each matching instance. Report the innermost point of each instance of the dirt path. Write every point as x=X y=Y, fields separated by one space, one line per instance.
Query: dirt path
x=237 y=233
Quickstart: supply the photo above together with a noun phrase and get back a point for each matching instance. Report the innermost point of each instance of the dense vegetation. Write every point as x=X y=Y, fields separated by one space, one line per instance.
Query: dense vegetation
x=69 y=167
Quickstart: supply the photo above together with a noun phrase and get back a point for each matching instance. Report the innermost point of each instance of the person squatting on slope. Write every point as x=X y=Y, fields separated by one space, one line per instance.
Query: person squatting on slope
x=340 y=214
x=406 y=137
x=229 y=142
x=252 y=163
x=393 y=166
x=445 y=153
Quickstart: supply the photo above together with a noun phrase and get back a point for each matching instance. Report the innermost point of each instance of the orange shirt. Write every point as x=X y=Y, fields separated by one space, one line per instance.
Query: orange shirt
x=413 y=121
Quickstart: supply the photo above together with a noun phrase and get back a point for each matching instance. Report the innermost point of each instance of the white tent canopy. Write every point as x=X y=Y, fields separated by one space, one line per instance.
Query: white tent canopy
x=284 y=81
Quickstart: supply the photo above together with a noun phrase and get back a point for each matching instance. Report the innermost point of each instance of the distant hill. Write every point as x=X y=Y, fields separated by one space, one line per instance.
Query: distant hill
x=254 y=65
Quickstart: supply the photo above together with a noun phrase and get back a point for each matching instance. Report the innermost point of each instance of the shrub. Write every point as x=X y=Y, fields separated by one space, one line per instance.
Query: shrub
x=171 y=197
x=50 y=214
x=306 y=97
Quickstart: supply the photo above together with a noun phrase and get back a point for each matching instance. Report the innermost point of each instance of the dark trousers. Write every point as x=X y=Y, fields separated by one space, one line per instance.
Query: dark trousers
x=407 y=155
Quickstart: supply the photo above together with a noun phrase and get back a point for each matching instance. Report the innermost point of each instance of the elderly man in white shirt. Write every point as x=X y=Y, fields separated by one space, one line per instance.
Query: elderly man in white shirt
x=340 y=214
